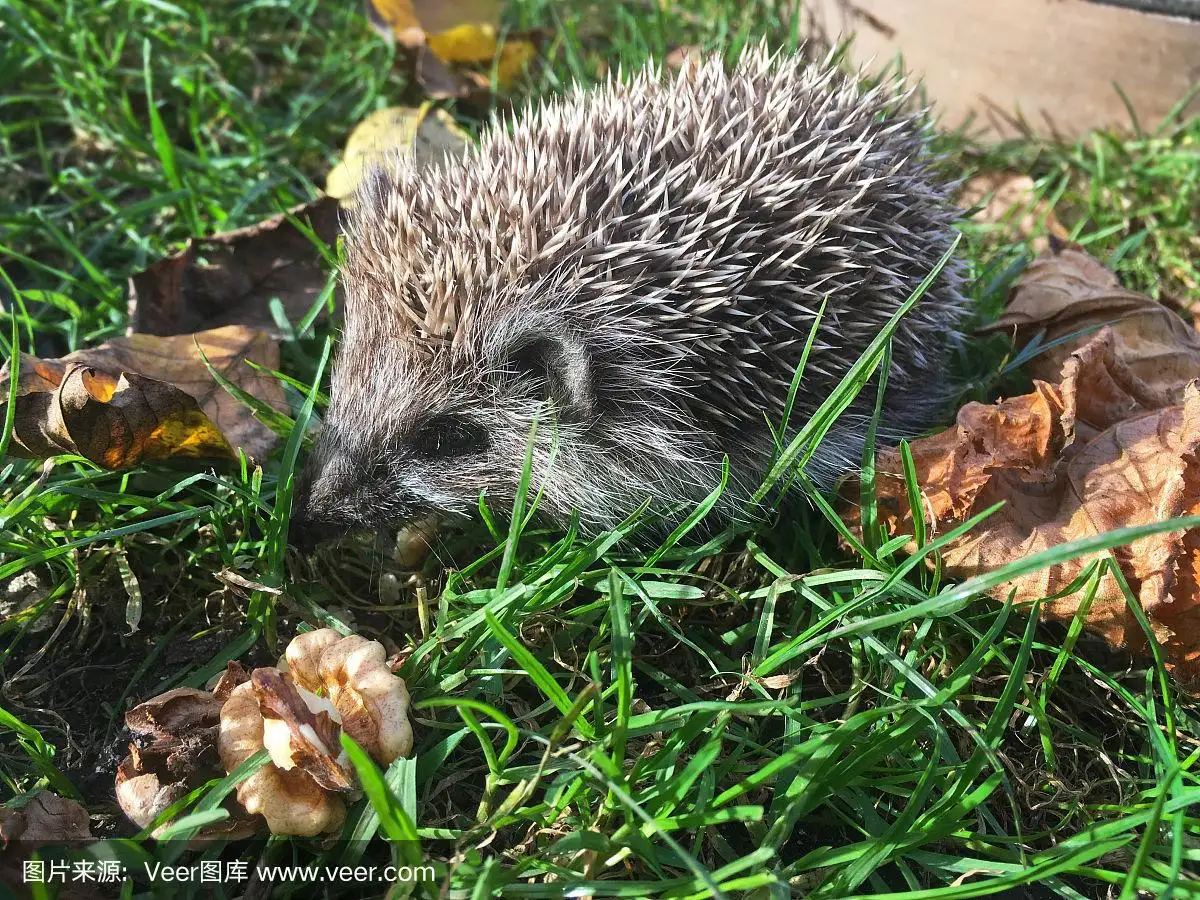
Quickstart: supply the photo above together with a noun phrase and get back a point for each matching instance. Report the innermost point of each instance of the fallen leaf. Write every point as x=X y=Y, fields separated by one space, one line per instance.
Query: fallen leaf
x=398 y=129
x=442 y=36
x=144 y=398
x=30 y=823
x=432 y=16
x=44 y=818
x=23 y=601
x=516 y=56
x=1189 y=313
x=440 y=80
x=1107 y=441
x=467 y=43
x=1069 y=295
x=231 y=278
x=1010 y=200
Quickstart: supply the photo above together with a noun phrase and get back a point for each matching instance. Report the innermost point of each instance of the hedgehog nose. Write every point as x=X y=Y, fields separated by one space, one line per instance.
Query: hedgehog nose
x=306 y=533
x=306 y=530
x=301 y=533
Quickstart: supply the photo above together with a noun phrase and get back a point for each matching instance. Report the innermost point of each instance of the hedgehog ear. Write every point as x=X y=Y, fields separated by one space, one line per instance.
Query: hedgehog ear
x=563 y=368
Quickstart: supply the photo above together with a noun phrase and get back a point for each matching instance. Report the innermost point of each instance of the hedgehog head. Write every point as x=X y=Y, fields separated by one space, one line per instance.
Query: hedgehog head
x=421 y=423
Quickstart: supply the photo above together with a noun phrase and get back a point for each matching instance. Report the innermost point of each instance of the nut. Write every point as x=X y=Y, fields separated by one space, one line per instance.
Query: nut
x=289 y=799
x=173 y=753
x=353 y=672
x=325 y=683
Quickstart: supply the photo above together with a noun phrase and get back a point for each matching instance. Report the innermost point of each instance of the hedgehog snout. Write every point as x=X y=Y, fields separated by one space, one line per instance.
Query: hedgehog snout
x=314 y=518
x=334 y=498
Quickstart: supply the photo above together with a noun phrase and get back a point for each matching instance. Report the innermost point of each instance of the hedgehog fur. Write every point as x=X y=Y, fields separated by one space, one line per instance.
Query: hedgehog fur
x=630 y=275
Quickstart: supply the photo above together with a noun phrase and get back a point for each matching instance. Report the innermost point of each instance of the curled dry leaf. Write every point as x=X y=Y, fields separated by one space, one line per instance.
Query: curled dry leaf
x=1069 y=294
x=231 y=278
x=144 y=398
x=174 y=752
x=29 y=824
x=425 y=134
x=1111 y=442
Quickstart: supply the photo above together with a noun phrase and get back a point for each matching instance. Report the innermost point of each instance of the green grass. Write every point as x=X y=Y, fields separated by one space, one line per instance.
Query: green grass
x=760 y=716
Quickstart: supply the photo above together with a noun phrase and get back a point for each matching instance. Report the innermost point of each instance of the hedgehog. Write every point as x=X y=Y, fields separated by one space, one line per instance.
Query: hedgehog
x=611 y=297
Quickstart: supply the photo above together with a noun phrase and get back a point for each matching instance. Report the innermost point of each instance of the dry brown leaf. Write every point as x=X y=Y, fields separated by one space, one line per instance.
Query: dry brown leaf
x=1188 y=312
x=32 y=822
x=439 y=80
x=45 y=818
x=230 y=278
x=1070 y=293
x=1108 y=441
x=1010 y=200
x=145 y=398
x=452 y=75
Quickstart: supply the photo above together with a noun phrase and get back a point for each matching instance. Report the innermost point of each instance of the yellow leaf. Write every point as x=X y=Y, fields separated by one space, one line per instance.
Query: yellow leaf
x=515 y=57
x=397 y=15
x=428 y=137
x=434 y=16
x=442 y=15
x=469 y=43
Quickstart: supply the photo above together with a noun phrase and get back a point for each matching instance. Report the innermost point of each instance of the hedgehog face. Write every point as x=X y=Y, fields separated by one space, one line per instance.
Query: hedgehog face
x=419 y=432
x=392 y=443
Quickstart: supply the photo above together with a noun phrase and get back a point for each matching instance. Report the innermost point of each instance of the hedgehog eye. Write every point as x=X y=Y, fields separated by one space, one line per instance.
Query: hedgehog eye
x=448 y=436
